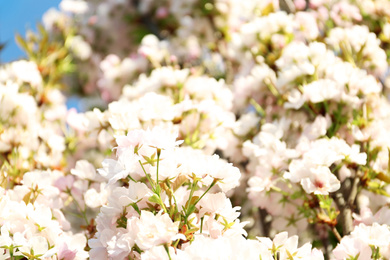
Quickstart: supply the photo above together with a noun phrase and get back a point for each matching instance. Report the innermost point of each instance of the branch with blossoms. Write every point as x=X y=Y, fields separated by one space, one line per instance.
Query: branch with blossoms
x=166 y=195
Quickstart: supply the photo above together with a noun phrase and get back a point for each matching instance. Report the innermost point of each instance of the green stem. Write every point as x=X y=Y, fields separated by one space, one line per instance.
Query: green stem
x=326 y=105
x=191 y=194
x=174 y=199
x=201 y=225
x=338 y=167
x=162 y=204
x=192 y=207
x=71 y=213
x=158 y=162
x=167 y=249
x=277 y=189
x=212 y=184
x=83 y=213
x=131 y=178
x=155 y=189
x=148 y=177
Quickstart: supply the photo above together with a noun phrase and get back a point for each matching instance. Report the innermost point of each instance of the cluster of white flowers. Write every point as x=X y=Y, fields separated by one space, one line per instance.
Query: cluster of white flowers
x=30 y=121
x=163 y=202
x=364 y=241
x=197 y=107
x=208 y=130
x=32 y=223
x=360 y=45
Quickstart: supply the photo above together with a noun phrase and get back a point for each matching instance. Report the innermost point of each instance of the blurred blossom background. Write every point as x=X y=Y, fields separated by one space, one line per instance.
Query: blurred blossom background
x=17 y=17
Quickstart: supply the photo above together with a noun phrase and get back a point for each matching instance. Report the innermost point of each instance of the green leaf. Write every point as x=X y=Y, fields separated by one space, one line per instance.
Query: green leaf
x=296 y=195
x=22 y=43
x=27 y=197
x=154 y=199
x=136 y=208
x=377 y=188
x=383 y=177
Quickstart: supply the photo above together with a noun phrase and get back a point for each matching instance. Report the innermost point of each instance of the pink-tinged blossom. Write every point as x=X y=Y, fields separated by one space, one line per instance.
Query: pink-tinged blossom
x=126 y=165
x=322 y=90
x=96 y=198
x=26 y=71
x=39 y=246
x=5 y=239
x=307 y=25
x=85 y=170
x=375 y=235
x=227 y=175
x=65 y=183
x=159 y=253
x=153 y=230
x=287 y=247
x=343 y=14
x=76 y=7
x=167 y=169
x=259 y=184
x=352 y=247
x=133 y=194
x=157 y=137
x=321 y=181
x=276 y=243
x=65 y=253
x=235 y=247
x=218 y=204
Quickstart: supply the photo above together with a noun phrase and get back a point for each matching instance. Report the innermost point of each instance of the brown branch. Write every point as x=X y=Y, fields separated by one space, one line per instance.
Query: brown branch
x=336 y=233
x=287 y=6
x=265 y=225
x=346 y=206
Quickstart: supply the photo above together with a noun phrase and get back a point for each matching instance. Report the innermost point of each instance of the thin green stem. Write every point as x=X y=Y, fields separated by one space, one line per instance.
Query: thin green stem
x=201 y=224
x=131 y=178
x=71 y=213
x=163 y=205
x=147 y=176
x=212 y=184
x=83 y=212
x=158 y=162
x=277 y=189
x=191 y=194
x=167 y=249
x=156 y=188
x=192 y=207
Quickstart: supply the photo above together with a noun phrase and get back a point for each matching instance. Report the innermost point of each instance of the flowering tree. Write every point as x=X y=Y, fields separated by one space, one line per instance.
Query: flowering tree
x=218 y=129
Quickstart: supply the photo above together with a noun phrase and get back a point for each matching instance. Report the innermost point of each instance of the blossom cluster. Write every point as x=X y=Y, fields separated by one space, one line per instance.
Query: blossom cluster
x=218 y=129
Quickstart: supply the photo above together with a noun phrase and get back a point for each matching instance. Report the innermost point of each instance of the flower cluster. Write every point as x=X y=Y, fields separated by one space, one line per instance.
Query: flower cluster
x=32 y=222
x=218 y=129
x=30 y=125
x=160 y=195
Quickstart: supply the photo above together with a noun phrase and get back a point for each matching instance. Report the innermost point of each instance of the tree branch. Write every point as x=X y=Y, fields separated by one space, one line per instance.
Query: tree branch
x=265 y=225
x=346 y=205
x=287 y=6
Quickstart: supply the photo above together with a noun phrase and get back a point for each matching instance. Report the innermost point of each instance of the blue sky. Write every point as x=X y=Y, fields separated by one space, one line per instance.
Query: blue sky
x=18 y=16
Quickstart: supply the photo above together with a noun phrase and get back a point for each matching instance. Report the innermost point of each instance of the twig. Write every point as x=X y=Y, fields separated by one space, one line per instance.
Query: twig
x=265 y=226
x=287 y=6
x=336 y=233
x=354 y=190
